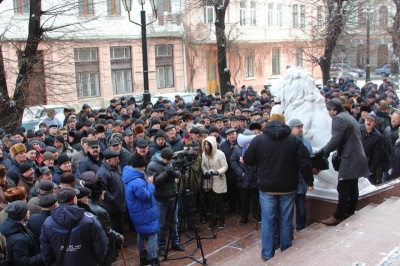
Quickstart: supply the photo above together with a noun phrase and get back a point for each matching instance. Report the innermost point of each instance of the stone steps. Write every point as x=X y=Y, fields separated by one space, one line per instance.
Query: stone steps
x=367 y=237
x=370 y=236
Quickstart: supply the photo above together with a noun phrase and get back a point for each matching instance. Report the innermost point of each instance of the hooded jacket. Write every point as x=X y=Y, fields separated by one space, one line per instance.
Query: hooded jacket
x=216 y=162
x=278 y=157
x=21 y=245
x=87 y=243
x=140 y=200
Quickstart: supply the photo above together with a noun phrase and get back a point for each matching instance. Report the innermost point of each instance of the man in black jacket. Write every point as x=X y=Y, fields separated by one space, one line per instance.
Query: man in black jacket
x=372 y=144
x=272 y=152
x=165 y=193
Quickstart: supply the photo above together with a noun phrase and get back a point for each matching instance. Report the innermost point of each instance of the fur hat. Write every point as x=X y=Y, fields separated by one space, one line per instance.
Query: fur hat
x=277 y=117
x=138 y=129
x=17 y=148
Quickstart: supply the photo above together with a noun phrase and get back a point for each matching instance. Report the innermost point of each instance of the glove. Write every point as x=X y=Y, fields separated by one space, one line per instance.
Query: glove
x=120 y=240
x=207 y=175
x=214 y=172
x=318 y=154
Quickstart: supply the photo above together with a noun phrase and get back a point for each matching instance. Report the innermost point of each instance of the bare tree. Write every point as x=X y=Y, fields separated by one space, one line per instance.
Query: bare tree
x=41 y=24
x=395 y=32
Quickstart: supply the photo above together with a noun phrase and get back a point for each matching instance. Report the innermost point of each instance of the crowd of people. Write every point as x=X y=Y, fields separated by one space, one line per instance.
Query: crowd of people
x=70 y=189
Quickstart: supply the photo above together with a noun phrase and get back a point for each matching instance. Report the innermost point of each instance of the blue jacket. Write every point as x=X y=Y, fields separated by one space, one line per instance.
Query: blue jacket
x=153 y=148
x=140 y=200
x=88 y=242
x=21 y=245
x=13 y=171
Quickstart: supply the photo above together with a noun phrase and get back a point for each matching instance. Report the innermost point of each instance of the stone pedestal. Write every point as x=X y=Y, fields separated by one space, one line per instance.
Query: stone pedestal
x=319 y=209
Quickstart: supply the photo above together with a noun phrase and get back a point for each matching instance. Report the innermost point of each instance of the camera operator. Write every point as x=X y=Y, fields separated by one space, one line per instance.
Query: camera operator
x=164 y=194
x=214 y=166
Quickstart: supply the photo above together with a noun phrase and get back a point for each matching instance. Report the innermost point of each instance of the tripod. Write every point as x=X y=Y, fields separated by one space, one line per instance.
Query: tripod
x=189 y=214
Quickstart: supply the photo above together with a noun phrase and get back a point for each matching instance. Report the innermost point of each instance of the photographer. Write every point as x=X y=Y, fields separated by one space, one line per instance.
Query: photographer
x=214 y=166
x=164 y=181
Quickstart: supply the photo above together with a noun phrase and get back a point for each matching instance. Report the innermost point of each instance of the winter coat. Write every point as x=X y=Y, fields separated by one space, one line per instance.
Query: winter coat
x=372 y=144
x=153 y=148
x=216 y=162
x=114 y=197
x=246 y=178
x=87 y=243
x=140 y=200
x=36 y=222
x=279 y=156
x=57 y=173
x=177 y=144
x=383 y=121
x=21 y=245
x=113 y=237
x=165 y=186
x=346 y=139
x=5 y=161
x=396 y=161
x=77 y=158
x=13 y=171
x=391 y=134
x=90 y=163
x=228 y=147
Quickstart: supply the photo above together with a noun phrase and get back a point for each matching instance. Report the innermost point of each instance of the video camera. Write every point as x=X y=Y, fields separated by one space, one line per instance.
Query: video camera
x=183 y=159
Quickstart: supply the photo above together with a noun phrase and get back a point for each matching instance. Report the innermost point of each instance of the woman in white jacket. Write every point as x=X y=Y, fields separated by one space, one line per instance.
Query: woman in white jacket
x=214 y=166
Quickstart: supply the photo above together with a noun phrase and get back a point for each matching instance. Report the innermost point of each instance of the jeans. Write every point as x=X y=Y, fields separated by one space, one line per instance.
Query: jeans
x=271 y=207
x=300 y=200
x=348 y=198
x=167 y=217
x=152 y=244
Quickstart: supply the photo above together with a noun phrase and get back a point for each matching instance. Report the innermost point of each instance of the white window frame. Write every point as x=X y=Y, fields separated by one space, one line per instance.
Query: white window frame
x=249 y=67
x=279 y=15
x=271 y=14
x=295 y=16
x=243 y=9
x=114 y=7
x=21 y=7
x=302 y=16
x=121 y=69
x=164 y=66
x=86 y=7
x=209 y=14
x=87 y=72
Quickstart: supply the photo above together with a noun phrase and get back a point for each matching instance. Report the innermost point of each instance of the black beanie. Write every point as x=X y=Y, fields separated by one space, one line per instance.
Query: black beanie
x=24 y=167
x=159 y=134
x=138 y=161
x=167 y=153
x=63 y=158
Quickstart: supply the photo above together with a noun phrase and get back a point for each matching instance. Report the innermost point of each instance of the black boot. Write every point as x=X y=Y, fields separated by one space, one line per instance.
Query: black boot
x=144 y=258
x=155 y=262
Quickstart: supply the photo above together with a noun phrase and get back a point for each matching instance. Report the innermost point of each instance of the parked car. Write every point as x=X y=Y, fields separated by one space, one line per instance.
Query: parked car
x=35 y=115
x=347 y=67
x=344 y=74
x=383 y=71
x=188 y=97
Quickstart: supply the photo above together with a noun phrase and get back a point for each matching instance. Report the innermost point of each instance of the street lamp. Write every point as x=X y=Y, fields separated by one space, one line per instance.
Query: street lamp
x=368 y=67
x=128 y=8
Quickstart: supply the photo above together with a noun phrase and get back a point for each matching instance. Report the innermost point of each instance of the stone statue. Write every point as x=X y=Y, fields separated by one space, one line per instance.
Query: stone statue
x=300 y=98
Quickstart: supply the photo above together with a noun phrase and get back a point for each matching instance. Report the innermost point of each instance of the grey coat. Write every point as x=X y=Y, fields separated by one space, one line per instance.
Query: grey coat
x=346 y=140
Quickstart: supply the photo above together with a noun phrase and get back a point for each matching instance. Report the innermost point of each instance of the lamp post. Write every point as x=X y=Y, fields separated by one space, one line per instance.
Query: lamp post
x=368 y=68
x=142 y=24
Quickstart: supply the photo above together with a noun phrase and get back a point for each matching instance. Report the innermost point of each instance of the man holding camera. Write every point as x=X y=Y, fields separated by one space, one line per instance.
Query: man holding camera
x=165 y=193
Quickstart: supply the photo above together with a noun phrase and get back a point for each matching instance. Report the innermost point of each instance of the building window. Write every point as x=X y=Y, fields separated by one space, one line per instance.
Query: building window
x=243 y=6
x=87 y=72
x=362 y=18
x=275 y=61
x=302 y=16
x=253 y=13
x=319 y=17
x=299 y=56
x=279 y=14
x=121 y=69
x=164 y=6
x=249 y=66
x=209 y=14
x=295 y=16
x=113 y=7
x=383 y=16
x=164 y=66
x=248 y=13
x=86 y=7
x=270 y=14
x=21 y=6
